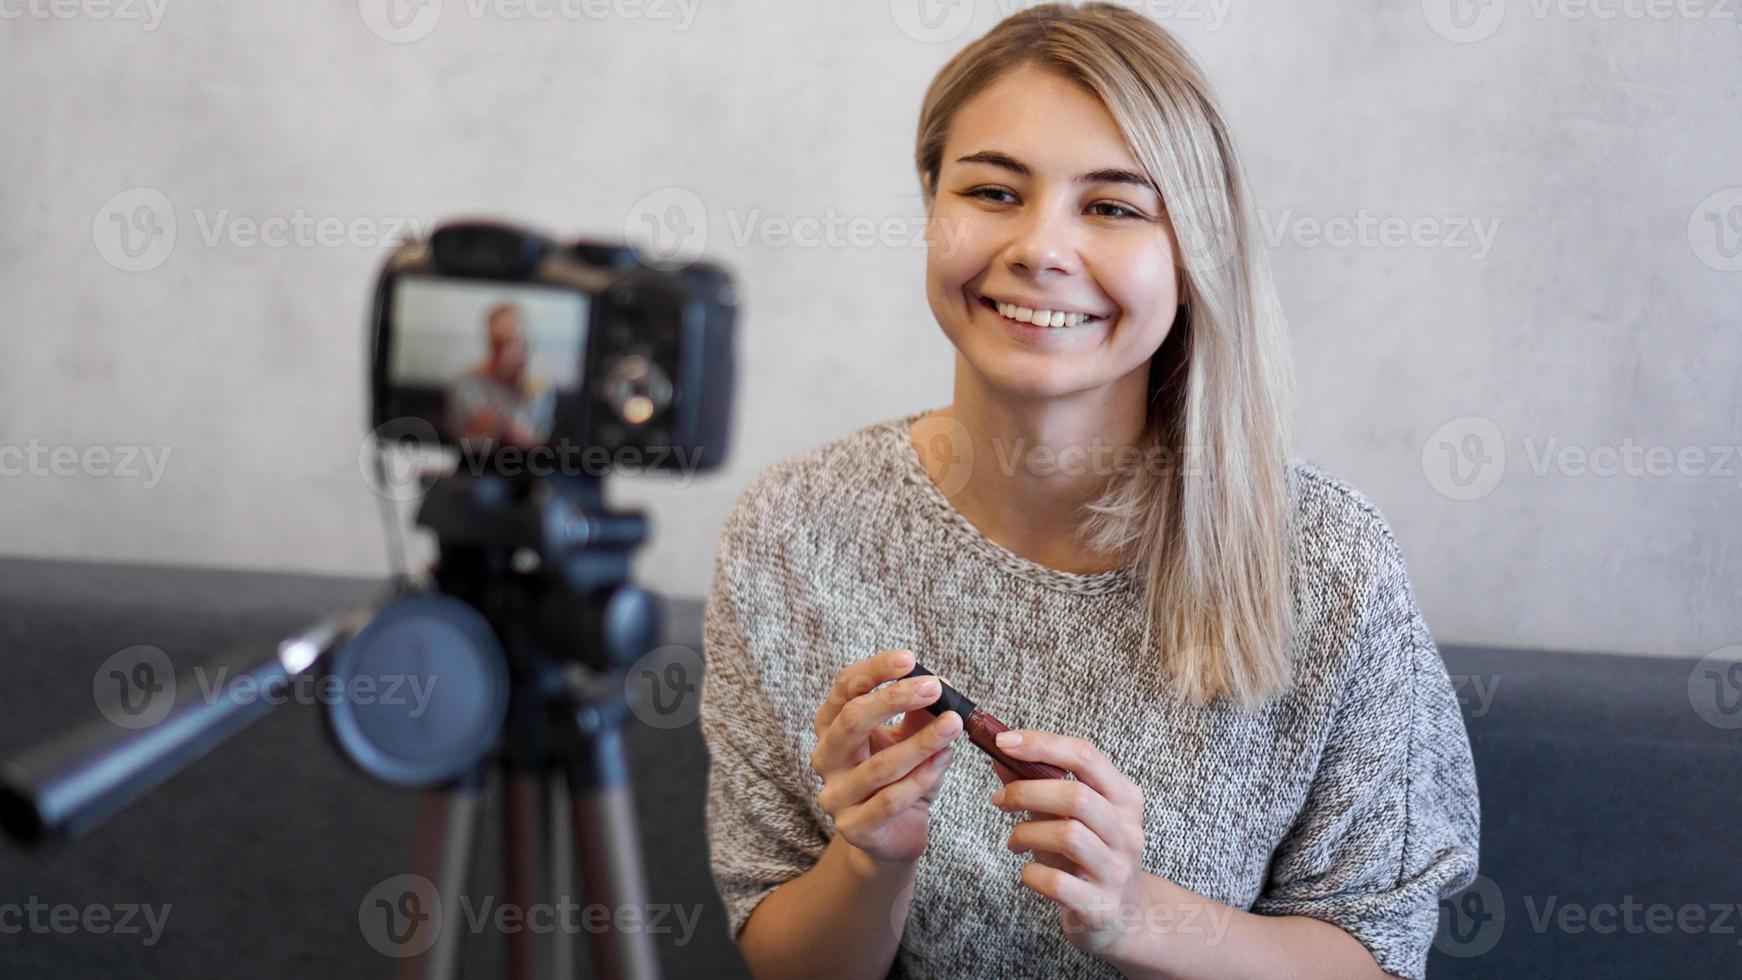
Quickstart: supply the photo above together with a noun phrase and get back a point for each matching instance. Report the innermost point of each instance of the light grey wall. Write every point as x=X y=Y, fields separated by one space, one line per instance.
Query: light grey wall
x=1567 y=181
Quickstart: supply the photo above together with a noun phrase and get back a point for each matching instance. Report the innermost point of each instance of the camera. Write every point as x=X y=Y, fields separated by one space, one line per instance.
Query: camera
x=495 y=338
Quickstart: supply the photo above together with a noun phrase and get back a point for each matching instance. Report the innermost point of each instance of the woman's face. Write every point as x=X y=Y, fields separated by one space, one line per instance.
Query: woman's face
x=1040 y=207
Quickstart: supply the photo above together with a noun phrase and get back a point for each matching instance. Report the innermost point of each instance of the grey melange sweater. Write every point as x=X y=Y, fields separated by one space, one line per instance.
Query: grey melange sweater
x=1351 y=798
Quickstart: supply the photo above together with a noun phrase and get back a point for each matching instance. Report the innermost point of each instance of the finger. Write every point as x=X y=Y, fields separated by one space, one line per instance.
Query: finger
x=1052 y=860
x=840 y=744
x=889 y=765
x=1067 y=798
x=858 y=678
x=893 y=800
x=1061 y=886
x=1069 y=839
x=912 y=722
x=1079 y=756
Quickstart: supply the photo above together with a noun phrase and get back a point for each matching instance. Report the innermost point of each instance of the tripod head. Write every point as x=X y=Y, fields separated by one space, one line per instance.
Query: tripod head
x=532 y=596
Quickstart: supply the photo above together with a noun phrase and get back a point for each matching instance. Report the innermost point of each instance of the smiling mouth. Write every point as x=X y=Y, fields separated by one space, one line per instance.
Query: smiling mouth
x=1051 y=319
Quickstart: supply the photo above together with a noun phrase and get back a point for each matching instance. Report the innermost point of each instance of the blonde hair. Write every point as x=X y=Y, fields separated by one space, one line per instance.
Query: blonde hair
x=1209 y=530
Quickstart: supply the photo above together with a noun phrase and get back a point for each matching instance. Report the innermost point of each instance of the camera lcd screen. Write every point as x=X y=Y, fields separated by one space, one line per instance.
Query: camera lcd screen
x=485 y=361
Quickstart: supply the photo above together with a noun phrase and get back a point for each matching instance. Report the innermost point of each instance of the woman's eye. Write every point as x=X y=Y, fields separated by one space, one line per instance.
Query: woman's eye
x=997 y=195
x=1110 y=209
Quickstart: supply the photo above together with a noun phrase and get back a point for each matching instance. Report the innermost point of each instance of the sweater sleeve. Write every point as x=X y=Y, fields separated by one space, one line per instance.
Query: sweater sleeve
x=761 y=832
x=1390 y=822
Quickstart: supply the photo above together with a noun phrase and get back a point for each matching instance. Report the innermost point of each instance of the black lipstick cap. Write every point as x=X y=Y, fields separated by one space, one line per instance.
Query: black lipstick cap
x=950 y=700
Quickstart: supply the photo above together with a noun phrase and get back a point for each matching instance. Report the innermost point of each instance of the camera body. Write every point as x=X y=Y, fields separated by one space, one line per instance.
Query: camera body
x=493 y=338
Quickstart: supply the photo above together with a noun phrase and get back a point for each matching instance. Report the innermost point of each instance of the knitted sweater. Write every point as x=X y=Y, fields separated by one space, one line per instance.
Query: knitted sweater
x=1351 y=798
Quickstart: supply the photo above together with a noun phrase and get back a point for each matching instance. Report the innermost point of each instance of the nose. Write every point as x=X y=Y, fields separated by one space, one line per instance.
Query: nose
x=1044 y=242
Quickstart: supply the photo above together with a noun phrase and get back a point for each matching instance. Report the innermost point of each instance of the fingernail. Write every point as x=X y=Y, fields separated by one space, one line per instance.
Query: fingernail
x=929 y=686
x=904 y=658
x=998 y=797
x=1007 y=739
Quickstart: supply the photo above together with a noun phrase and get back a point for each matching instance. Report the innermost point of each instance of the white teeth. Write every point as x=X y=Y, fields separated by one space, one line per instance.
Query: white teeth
x=1044 y=318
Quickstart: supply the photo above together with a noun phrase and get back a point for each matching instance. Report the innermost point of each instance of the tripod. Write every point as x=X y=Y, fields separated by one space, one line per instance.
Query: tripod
x=527 y=638
x=548 y=567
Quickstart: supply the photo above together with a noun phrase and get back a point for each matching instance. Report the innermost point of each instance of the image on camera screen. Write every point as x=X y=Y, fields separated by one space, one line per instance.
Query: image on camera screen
x=487 y=362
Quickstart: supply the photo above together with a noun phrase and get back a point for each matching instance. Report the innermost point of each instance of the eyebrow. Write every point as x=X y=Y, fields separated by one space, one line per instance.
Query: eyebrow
x=1111 y=175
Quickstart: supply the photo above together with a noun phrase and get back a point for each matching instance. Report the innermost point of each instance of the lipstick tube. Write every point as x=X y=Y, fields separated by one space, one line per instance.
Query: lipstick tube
x=983 y=730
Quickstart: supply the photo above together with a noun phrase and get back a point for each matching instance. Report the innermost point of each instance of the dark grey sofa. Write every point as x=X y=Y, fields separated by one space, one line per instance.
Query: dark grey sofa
x=1605 y=795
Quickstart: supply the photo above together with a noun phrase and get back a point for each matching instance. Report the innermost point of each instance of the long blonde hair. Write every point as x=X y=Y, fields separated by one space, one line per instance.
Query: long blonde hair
x=1209 y=530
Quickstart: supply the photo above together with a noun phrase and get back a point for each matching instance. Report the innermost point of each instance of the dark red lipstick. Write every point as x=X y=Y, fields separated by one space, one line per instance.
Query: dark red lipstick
x=983 y=729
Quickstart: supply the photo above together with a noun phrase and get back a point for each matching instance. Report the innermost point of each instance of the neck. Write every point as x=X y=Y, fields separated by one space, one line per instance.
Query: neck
x=1035 y=461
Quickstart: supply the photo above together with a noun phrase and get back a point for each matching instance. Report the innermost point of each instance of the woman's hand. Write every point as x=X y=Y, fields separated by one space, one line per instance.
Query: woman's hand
x=879 y=781
x=1087 y=838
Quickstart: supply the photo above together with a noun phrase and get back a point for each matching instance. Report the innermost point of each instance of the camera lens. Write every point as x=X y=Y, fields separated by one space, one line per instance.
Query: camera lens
x=637 y=389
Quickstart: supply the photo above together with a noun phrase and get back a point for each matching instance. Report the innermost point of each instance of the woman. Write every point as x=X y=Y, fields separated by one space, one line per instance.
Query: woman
x=1105 y=539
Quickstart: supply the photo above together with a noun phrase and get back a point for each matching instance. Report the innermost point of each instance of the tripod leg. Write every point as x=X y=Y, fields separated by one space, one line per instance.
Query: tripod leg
x=535 y=863
x=609 y=847
x=447 y=828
